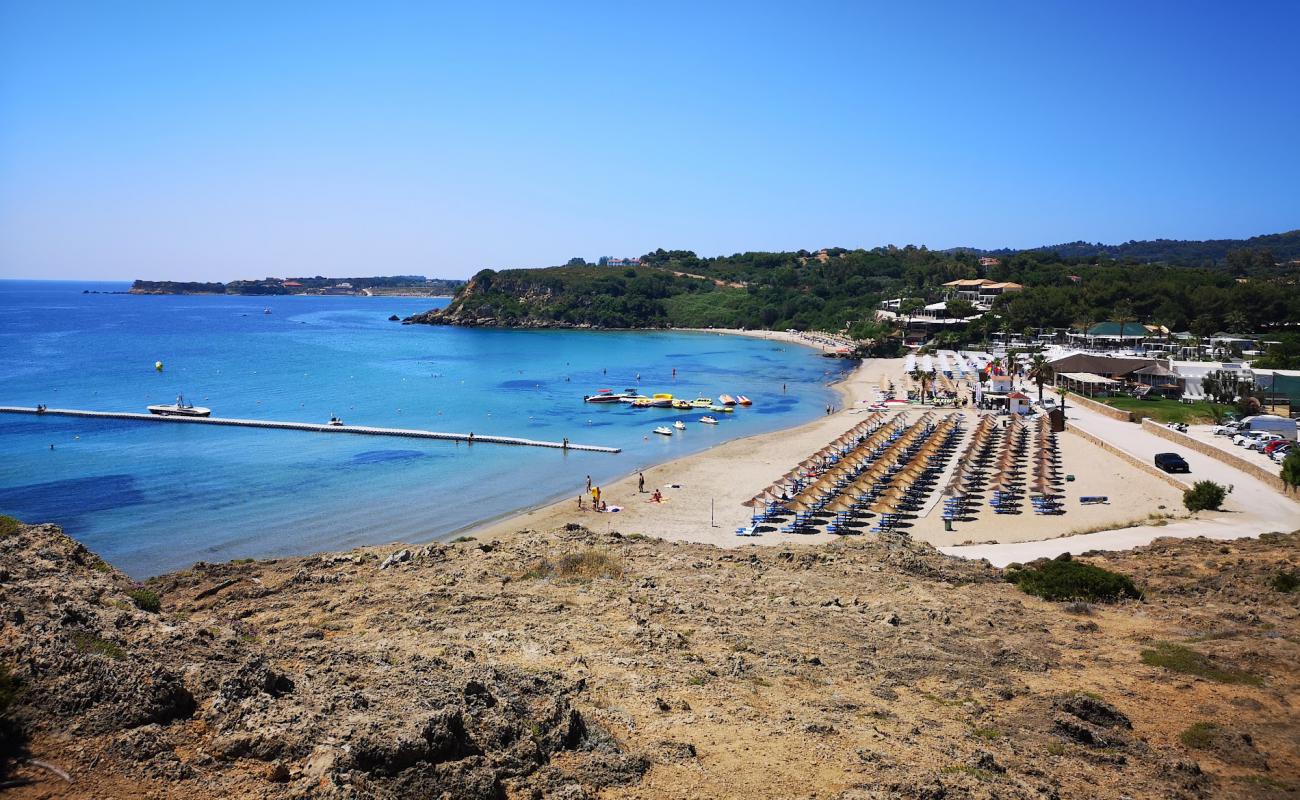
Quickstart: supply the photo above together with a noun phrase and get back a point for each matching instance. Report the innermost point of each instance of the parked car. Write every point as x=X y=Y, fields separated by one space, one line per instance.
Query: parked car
x=1269 y=447
x=1262 y=440
x=1226 y=429
x=1279 y=455
x=1246 y=438
x=1171 y=462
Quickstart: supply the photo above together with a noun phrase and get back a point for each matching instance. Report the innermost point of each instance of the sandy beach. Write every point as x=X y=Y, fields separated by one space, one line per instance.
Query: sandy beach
x=703 y=493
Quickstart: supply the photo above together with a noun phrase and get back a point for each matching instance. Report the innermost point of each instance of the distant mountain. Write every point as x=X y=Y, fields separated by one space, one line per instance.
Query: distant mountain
x=1211 y=252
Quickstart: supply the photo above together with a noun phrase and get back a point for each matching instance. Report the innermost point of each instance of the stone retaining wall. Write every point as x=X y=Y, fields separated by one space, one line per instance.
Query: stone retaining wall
x=1100 y=408
x=1255 y=471
x=1146 y=467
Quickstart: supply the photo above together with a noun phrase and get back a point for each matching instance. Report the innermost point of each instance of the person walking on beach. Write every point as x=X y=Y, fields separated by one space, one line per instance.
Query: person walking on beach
x=589 y=483
x=640 y=482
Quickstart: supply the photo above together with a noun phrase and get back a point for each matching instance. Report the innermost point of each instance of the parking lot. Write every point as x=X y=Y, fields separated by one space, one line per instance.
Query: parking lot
x=1224 y=443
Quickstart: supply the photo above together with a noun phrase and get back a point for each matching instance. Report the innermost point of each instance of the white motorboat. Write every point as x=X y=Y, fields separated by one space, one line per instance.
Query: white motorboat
x=180 y=409
x=679 y=425
x=708 y=421
x=664 y=430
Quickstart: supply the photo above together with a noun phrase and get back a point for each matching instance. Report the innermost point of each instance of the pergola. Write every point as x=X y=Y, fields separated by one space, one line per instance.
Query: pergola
x=1084 y=382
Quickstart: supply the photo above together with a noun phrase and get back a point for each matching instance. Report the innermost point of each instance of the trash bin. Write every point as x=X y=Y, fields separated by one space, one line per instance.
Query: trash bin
x=947 y=525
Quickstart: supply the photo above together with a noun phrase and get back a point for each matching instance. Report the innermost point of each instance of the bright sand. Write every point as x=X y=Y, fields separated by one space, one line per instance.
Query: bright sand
x=703 y=493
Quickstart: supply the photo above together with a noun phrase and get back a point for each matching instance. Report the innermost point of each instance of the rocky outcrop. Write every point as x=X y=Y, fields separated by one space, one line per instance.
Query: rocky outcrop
x=214 y=709
x=867 y=668
x=554 y=298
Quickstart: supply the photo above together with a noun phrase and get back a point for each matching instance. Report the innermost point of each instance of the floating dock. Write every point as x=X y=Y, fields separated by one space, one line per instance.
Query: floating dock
x=359 y=430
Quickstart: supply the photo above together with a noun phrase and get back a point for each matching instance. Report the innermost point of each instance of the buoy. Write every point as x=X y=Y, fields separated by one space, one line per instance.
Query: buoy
x=157 y=365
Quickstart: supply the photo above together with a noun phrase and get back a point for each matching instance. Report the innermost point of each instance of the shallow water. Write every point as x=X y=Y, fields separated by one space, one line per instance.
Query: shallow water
x=156 y=497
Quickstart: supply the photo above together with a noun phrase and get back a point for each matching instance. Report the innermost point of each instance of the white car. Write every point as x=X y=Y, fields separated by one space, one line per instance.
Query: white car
x=1279 y=455
x=1262 y=440
x=1228 y=429
x=1249 y=438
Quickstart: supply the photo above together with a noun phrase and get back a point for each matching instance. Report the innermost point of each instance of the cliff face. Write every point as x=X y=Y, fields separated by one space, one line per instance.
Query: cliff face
x=573 y=664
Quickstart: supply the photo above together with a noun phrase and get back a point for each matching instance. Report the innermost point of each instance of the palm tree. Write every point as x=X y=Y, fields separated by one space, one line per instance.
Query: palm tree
x=1060 y=392
x=927 y=377
x=1123 y=314
x=1040 y=372
x=918 y=375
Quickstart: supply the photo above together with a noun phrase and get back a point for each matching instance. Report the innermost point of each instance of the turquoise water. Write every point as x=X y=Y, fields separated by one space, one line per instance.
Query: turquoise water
x=156 y=497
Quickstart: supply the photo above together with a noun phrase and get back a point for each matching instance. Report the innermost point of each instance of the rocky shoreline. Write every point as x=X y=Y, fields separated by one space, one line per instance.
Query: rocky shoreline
x=571 y=664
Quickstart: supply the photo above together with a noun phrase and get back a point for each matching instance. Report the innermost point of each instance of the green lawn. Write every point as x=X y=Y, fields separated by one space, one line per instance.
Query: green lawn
x=1165 y=410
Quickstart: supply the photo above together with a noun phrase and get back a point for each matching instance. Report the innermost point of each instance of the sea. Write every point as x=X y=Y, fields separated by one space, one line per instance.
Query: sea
x=155 y=497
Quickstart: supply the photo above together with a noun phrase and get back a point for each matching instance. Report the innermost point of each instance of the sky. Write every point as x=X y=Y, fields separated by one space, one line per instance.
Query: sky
x=221 y=140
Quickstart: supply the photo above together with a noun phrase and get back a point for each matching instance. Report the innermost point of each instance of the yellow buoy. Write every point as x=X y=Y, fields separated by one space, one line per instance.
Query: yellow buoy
x=157 y=365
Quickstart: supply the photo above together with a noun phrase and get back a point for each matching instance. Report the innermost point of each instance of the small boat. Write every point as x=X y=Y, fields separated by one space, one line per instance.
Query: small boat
x=180 y=409
x=664 y=430
x=335 y=421
x=726 y=400
x=631 y=396
x=702 y=402
x=743 y=400
x=642 y=402
x=266 y=311
x=708 y=421
x=682 y=405
x=602 y=396
x=662 y=400
x=723 y=409
x=679 y=425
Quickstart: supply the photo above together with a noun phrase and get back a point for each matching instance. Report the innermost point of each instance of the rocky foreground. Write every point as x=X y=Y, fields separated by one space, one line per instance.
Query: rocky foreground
x=572 y=665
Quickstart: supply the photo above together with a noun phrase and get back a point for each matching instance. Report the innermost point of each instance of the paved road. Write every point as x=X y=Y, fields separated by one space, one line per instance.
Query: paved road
x=1252 y=508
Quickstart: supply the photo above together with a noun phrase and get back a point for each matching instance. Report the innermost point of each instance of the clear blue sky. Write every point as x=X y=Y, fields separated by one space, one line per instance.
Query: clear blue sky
x=217 y=140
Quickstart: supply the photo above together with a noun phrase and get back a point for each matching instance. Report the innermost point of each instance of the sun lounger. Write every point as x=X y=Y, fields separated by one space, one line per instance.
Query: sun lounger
x=1096 y=499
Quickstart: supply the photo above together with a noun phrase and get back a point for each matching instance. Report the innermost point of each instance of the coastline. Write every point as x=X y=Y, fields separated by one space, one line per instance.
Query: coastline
x=709 y=485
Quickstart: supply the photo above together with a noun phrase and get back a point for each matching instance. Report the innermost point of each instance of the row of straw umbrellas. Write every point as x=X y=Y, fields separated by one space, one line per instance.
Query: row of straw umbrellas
x=873 y=469
x=1002 y=451
x=1047 y=483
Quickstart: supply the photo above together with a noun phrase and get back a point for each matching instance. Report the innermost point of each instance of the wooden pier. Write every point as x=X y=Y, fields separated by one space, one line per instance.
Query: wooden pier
x=360 y=430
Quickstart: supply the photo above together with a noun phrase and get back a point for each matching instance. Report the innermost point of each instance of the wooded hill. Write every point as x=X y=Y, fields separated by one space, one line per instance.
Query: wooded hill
x=837 y=288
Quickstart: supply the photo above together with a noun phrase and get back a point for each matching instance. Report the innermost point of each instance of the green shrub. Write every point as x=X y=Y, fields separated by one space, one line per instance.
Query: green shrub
x=1073 y=580
x=9 y=526
x=145 y=600
x=1177 y=658
x=89 y=643
x=1204 y=496
x=1290 y=472
x=1199 y=736
x=582 y=566
x=460 y=539
x=1286 y=581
